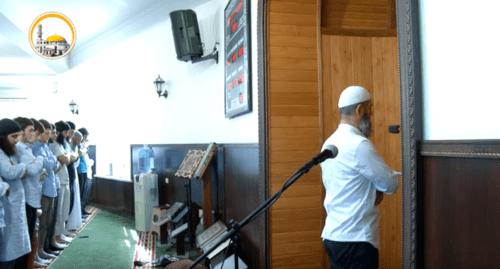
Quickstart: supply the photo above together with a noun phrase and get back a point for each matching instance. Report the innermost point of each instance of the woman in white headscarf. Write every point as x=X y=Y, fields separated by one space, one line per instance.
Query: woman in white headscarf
x=15 y=241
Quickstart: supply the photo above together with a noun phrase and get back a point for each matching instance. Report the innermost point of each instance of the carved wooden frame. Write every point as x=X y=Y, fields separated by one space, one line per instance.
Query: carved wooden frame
x=190 y=163
x=411 y=124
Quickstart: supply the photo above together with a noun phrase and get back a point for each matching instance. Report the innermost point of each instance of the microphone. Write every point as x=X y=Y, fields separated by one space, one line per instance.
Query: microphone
x=330 y=151
x=394 y=129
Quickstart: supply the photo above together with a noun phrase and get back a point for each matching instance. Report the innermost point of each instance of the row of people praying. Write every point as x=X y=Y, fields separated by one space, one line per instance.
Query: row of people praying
x=43 y=179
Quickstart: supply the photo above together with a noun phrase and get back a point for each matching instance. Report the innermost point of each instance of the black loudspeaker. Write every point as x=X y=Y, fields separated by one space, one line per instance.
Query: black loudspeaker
x=186 y=35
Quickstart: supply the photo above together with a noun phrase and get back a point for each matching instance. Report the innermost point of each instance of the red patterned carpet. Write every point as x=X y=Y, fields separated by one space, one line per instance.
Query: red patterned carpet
x=93 y=211
x=145 y=250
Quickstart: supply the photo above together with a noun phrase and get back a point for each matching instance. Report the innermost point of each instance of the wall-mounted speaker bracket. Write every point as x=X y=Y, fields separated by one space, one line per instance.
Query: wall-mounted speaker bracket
x=214 y=55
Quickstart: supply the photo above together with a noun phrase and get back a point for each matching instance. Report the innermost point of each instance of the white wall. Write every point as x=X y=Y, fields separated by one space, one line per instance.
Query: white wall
x=460 y=69
x=117 y=99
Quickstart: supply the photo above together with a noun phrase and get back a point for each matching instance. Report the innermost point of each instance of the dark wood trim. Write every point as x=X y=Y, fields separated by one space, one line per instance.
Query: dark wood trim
x=489 y=149
x=392 y=13
x=460 y=219
x=358 y=32
x=113 y=195
x=411 y=125
x=121 y=213
x=461 y=201
x=262 y=62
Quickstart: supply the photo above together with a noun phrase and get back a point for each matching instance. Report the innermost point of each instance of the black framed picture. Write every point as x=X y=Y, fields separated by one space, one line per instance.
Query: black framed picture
x=237 y=70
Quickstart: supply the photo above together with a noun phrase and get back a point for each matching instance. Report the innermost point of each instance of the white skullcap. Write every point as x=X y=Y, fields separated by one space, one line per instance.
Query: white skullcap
x=77 y=134
x=353 y=95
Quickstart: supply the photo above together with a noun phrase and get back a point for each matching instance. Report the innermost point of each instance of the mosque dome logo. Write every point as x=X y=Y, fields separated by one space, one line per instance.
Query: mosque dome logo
x=52 y=35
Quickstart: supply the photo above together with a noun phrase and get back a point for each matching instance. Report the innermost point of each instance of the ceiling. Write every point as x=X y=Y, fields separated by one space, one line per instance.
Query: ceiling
x=93 y=20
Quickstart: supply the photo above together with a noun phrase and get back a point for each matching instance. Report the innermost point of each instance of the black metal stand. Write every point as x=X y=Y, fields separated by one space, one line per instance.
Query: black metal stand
x=190 y=211
x=236 y=240
x=236 y=227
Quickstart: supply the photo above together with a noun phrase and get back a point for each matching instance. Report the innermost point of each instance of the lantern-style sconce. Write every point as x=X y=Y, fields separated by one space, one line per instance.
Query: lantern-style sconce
x=74 y=107
x=159 y=82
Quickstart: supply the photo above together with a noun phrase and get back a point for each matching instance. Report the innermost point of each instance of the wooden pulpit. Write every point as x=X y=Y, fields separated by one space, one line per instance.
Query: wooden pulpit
x=196 y=165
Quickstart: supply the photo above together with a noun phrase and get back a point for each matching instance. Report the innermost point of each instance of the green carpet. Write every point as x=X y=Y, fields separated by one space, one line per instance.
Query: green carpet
x=110 y=243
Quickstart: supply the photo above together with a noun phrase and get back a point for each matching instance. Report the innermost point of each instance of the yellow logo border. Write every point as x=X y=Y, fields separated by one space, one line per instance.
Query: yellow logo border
x=52 y=15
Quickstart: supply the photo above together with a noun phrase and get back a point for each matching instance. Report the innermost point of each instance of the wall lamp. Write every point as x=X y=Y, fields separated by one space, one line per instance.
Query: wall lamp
x=159 y=82
x=74 y=107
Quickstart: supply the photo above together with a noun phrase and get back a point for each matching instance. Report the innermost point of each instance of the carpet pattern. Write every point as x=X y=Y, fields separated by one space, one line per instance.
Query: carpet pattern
x=93 y=211
x=145 y=250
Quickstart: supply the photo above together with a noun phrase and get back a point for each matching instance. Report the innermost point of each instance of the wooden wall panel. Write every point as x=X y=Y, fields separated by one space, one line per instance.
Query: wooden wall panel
x=359 y=17
x=113 y=195
x=292 y=76
x=298 y=261
x=371 y=62
x=297 y=53
x=290 y=7
x=297 y=129
x=294 y=133
x=460 y=221
x=304 y=180
x=458 y=204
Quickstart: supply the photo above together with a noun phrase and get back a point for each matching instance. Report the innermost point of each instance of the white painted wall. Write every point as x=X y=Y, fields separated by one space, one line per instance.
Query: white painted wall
x=460 y=69
x=118 y=102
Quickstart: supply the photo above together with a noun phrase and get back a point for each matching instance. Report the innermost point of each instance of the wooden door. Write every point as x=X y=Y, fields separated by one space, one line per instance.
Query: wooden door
x=371 y=62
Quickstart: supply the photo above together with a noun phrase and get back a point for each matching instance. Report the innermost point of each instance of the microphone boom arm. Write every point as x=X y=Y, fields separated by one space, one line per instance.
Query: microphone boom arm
x=261 y=209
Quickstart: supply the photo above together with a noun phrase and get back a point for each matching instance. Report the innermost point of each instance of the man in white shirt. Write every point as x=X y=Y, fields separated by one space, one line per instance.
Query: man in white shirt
x=355 y=182
x=65 y=158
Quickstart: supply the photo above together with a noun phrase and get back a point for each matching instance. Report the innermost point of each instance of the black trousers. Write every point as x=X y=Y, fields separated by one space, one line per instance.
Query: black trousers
x=347 y=255
x=72 y=174
x=72 y=194
x=85 y=188
x=7 y=265
x=52 y=224
x=45 y=219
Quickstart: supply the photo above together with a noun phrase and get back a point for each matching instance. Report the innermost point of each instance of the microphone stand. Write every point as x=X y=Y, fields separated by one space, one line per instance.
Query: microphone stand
x=235 y=227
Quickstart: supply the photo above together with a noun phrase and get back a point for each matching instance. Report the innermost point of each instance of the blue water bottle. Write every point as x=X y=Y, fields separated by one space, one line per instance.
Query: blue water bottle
x=146 y=160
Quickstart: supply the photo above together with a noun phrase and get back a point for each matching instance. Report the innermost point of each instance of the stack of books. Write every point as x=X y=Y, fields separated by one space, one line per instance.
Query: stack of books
x=170 y=214
x=210 y=237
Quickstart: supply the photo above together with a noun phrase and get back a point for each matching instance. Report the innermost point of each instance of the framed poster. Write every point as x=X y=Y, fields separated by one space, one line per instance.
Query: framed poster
x=237 y=69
